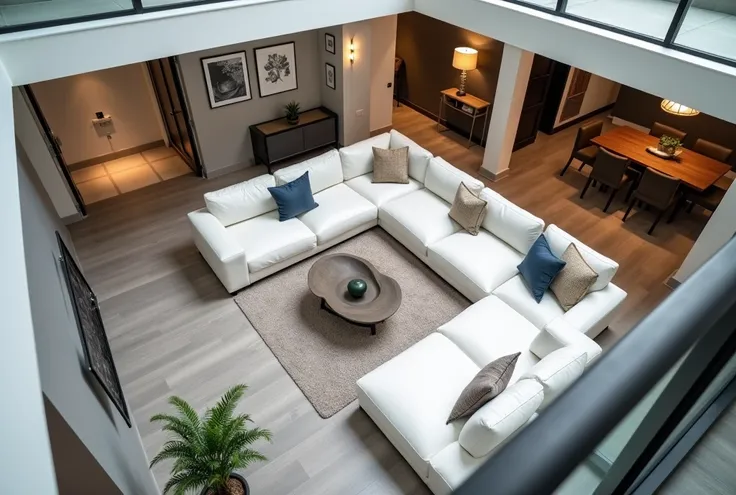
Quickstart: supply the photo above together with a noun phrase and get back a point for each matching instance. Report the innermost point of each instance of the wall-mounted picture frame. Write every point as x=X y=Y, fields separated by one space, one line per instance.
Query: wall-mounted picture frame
x=97 y=354
x=226 y=79
x=276 y=69
x=330 y=76
x=330 y=43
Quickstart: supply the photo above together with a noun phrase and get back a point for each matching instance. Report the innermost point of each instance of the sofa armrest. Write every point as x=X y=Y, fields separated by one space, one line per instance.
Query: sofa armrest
x=224 y=255
x=596 y=310
x=558 y=334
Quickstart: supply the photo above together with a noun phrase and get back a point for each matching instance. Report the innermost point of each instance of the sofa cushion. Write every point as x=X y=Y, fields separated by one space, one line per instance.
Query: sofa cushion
x=391 y=166
x=378 y=193
x=450 y=468
x=468 y=209
x=410 y=396
x=357 y=159
x=417 y=220
x=490 y=329
x=515 y=226
x=501 y=417
x=539 y=268
x=516 y=294
x=558 y=334
x=268 y=241
x=325 y=171
x=605 y=267
x=475 y=265
x=293 y=198
x=556 y=371
x=241 y=201
x=574 y=280
x=341 y=209
x=490 y=381
x=418 y=156
x=443 y=179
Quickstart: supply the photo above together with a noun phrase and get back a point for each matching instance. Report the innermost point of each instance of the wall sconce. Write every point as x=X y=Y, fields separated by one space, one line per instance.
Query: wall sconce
x=351 y=56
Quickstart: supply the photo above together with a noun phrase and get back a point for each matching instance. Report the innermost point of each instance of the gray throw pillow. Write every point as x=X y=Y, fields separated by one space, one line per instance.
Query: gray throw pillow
x=391 y=165
x=487 y=384
x=574 y=280
x=468 y=209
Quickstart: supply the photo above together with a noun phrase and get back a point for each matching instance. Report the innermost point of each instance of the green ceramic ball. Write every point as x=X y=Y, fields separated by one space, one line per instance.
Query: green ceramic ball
x=357 y=287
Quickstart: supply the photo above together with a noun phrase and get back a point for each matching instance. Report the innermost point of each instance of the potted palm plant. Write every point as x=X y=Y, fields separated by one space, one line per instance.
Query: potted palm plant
x=292 y=112
x=208 y=449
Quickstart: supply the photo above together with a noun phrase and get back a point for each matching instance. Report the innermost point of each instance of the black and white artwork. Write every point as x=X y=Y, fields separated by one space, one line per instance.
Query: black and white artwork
x=96 y=347
x=329 y=43
x=330 y=75
x=226 y=78
x=276 y=66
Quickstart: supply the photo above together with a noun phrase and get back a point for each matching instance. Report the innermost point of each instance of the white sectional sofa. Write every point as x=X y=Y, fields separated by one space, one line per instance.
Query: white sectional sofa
x=410 y=397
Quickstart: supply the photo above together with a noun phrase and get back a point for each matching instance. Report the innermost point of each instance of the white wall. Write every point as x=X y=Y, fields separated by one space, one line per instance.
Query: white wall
x=23 y=435
x=333 y=98
x=357 y=82
x=70 y=103
x=222 y=132
x=65 y=381
x=383 y=52
x=600 y=92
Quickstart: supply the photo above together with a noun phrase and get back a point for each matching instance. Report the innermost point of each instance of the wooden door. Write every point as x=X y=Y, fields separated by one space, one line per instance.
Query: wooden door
x=536 y=95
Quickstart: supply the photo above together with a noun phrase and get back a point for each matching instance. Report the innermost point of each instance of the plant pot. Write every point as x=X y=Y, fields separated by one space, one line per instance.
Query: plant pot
x=292 y=121
x=235 y=476
x=670 y=150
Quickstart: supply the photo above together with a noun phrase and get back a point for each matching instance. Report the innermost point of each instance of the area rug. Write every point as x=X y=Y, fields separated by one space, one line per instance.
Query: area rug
x=326 y=355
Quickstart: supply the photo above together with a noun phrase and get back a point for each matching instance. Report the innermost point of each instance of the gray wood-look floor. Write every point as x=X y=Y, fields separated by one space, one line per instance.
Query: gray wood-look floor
x=175 y=330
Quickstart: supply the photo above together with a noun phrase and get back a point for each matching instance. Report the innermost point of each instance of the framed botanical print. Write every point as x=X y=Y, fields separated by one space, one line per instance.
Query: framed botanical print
x=329 y=43
x=226 y=78
x=276 y=67
x=330 y=76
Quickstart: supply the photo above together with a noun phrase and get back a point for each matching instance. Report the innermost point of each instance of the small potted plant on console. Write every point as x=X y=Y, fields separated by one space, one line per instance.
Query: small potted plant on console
x=208 y=449
x=292 y=112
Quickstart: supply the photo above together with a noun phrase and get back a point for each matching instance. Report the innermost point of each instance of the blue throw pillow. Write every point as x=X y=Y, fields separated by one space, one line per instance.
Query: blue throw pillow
x=540 y=267
x=293 y=198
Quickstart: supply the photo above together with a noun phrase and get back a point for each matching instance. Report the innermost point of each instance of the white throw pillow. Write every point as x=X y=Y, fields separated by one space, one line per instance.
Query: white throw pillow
x=493 y=423
x=324 y=171
x=357 y=159
x=443 y=180
x=557 y=371
x=515 y=226
x=418 y=156
x=606 y=268
x=242 y=201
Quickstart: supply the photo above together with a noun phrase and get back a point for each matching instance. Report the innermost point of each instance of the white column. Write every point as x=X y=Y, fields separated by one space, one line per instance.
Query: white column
x=719 y=229
x=516 y=65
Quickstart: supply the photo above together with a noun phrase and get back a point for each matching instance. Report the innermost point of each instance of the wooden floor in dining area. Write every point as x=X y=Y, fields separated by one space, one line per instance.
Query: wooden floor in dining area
x=175 y=330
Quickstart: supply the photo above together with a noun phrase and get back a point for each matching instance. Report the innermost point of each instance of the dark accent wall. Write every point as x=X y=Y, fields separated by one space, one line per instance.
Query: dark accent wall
x=426 y=45
x=644 y=109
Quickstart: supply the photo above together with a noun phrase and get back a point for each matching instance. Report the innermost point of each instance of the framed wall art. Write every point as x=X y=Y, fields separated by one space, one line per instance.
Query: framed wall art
x=330 y=76
x=329 y=43
x=276 y=68
x=97 y=354
x=226 y=78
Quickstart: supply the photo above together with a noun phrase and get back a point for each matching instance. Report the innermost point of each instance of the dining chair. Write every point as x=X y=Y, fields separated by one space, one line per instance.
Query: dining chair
x=611 y=170
x=712 y=150
x=583 y=149
x=658 y=130
x=658 y=191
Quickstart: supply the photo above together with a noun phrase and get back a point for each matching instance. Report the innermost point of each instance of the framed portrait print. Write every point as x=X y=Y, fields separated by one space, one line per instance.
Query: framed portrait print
x=276 y=68
x=226 y=78
x=329 y=43
x=330 y=76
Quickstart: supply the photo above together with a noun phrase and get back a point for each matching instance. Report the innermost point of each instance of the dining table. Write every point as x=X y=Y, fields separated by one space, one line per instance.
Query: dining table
x=697 y=171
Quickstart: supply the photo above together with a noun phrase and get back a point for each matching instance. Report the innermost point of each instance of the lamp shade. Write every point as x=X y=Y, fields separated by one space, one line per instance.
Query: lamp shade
x=465 y=58
x=670 y=106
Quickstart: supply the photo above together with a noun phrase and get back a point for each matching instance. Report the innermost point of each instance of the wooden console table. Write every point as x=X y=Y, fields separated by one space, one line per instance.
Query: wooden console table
x=277 y=140
x=468 y=105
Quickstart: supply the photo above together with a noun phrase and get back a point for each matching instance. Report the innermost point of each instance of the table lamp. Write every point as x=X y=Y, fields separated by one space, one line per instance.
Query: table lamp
x=464 y=59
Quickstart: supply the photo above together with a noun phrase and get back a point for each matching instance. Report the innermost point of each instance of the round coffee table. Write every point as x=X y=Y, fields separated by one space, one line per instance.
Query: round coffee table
x=328 y=279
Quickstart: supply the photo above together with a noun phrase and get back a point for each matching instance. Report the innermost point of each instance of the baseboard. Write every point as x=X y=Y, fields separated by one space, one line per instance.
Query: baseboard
x=72 y=219
x=581 y=118
x=115 y=155
x=672 y=282
x=381 y=130
x=211 y=174
x=491 y=176
x=447 y=125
